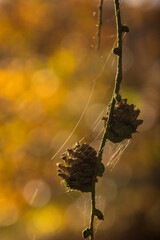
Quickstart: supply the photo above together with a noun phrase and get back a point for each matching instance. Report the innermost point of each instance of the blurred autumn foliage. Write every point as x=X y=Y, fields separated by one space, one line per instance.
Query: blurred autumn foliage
x=47 y=68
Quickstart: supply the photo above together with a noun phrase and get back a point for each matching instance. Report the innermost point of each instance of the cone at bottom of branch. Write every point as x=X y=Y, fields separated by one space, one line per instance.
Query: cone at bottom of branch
x=80 y=167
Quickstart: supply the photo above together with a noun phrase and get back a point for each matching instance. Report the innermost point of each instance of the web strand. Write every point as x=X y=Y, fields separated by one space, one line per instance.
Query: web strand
x=117 y=153
x=95 y=124
x=77 y=122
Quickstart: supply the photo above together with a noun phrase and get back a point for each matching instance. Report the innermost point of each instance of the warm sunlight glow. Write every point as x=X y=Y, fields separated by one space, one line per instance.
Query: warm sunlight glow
x=9 y=213
x=47 y=220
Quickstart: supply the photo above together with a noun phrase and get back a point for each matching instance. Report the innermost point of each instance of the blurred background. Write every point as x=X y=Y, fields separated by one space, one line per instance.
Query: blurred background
x=48 y=68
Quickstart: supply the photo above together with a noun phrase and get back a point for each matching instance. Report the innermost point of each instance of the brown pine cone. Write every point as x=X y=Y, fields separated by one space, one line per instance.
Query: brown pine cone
x=80 y=167
x=124 y=122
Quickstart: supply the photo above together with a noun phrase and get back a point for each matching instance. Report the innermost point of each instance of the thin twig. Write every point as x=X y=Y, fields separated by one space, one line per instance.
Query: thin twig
x=99 y=24
x=93 y=202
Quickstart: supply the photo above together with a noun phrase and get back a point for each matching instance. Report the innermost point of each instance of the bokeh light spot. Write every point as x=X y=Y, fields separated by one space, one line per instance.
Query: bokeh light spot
x=37 y=193
x=47 y=220
x=9 y=213
x=46 y=83
x=63 y=63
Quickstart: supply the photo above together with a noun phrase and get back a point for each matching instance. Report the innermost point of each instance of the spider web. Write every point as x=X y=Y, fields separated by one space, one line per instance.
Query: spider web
x=97 y=121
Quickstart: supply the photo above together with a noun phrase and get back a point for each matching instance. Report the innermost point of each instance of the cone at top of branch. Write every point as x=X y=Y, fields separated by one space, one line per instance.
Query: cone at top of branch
x=124 y=121
x=80 y=167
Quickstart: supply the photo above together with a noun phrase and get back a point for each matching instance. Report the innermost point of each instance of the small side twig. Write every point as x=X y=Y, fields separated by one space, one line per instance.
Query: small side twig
x=99 y=24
